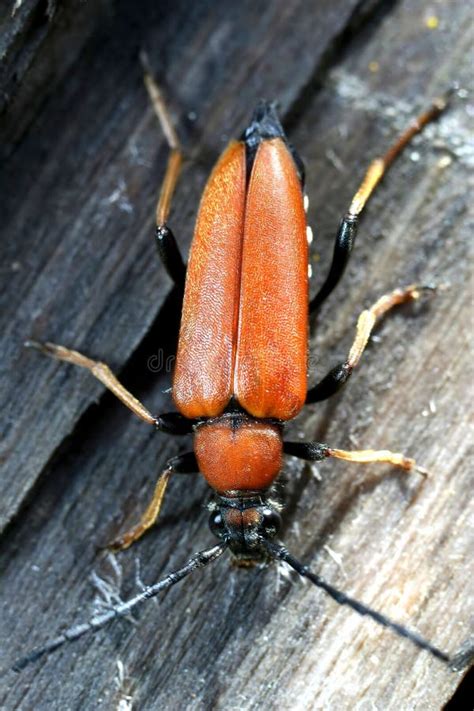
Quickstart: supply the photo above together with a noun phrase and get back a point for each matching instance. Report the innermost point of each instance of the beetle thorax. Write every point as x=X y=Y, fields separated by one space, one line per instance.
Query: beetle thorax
x=237 y=453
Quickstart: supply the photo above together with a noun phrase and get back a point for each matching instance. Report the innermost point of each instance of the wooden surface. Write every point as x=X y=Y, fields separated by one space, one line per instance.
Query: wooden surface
x=79 y=268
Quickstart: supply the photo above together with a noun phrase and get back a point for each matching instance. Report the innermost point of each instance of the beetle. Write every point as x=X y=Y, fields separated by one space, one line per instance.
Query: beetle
x=241 y=365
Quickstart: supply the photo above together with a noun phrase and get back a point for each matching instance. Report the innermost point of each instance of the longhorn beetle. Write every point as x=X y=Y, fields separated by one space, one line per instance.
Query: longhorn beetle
x=241 y=362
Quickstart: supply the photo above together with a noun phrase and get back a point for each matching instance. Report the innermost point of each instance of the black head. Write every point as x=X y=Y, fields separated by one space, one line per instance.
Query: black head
x=242 y=523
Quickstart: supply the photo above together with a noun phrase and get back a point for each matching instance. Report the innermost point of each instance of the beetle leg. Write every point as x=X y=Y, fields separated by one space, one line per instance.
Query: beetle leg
x=172 y=423
x=165 y=240
x=339 y=375
x=183 y=464
x=316 y=452
x=348 y=228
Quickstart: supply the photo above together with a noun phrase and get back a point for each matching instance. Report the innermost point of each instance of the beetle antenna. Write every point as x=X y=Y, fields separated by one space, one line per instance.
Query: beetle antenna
x=278 y=551
x=200 y=560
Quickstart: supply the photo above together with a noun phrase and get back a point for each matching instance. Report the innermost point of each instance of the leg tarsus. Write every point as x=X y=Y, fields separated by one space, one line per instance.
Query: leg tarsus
x=383 y=456
x=316 y=452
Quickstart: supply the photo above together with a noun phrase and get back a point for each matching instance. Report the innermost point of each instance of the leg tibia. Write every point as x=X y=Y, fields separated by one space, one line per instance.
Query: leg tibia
x=182 y=464
x=339 y=375
x=165 y=240
x=316 y=452
x=170 y=422
x=99 y=370
x=348 y=229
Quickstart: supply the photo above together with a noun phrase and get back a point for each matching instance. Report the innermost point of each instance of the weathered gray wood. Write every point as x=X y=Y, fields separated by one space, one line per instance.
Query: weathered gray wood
x=39 y=42
x=230 y=638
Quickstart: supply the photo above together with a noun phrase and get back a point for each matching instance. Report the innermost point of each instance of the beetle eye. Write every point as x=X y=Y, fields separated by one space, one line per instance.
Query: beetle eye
x=271 y=522
x=216 y=524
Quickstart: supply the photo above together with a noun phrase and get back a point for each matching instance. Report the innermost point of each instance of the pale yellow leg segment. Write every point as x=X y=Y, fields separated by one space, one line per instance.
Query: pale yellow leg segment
x=368 y=456
x=378 y=166
x=175 y=159
x=101 y=371
x=369 y=317
x=149 y=517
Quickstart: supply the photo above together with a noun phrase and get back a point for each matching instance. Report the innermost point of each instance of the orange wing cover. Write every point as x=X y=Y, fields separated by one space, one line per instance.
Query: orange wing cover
x=245 y=312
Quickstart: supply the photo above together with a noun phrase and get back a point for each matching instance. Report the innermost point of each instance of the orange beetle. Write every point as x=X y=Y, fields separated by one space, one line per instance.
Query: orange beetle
x=243 y=340
x=241 y=367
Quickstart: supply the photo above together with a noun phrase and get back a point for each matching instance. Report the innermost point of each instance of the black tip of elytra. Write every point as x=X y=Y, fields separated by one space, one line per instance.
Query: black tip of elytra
x=264 y=124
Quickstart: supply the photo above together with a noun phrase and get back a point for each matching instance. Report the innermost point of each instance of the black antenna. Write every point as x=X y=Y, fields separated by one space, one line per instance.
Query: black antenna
x=200 y=560
x=279 y=552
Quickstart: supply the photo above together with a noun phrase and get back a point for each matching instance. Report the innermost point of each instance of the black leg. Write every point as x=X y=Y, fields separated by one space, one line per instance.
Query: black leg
x=175 y=424
x=343 y=245
x=310 y=451
x=330 y=384
x=170 y=255
x=182 y=464
x=348 y=228
x=339 y=375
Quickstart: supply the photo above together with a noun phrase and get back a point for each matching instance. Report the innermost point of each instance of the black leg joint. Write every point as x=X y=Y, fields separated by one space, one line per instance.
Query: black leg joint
x=330 y=384
x=342 y=251
x=311 y=451
x=184 y=463
x=170 y=254
x=174 y=423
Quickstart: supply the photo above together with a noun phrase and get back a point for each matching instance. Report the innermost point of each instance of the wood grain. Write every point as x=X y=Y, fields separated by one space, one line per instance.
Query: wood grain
x=80 y=269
